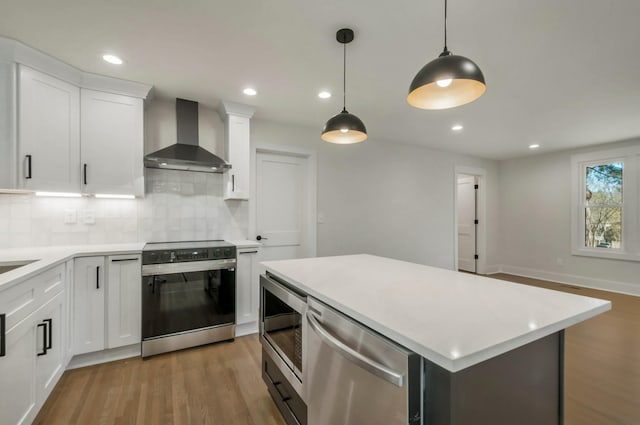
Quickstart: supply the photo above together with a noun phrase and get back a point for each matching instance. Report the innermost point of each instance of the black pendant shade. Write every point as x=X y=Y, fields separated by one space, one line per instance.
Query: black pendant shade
x=447 y=81
x=344 y=128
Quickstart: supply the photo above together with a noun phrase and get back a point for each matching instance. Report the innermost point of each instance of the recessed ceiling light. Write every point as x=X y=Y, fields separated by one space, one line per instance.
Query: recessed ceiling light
x=324 y=95
x=534 y=146
x=113 y=59
x=457 y=127
x=249 y=91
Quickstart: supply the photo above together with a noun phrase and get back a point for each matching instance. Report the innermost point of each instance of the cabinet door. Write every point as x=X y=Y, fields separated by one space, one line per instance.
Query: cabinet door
x=48 y=133
x=237 y=178
x=247 y=285
x=88 y=303
x=112 y=143
x=124 y=304
x=50 y=346
x=17 y=369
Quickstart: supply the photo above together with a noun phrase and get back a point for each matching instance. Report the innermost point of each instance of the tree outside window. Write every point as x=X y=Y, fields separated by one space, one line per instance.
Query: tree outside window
x=603 y=206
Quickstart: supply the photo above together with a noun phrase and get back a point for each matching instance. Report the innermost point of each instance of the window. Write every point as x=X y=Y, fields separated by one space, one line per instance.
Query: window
x=606 y=203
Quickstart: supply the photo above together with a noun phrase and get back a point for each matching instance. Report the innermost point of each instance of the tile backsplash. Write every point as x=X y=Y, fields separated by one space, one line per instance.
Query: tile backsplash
x=178 y=206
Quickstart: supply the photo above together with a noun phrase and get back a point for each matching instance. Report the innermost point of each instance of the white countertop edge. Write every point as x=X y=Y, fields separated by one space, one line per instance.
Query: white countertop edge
x=245 y=243
x=47 y=257
x=452 y=365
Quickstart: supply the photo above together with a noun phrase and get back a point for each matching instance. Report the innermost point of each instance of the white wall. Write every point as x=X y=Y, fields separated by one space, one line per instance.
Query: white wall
x=535 y=226
x=389 y=199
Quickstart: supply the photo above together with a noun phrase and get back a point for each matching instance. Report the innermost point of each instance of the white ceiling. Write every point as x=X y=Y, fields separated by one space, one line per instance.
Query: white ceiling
x=562 y=73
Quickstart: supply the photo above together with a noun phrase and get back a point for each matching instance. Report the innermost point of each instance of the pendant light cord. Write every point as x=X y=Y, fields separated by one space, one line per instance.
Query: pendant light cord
x=344 y=77
x=445 y=52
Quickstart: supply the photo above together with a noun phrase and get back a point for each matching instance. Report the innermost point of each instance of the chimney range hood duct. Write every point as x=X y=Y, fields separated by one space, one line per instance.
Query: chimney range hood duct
x=186 y=155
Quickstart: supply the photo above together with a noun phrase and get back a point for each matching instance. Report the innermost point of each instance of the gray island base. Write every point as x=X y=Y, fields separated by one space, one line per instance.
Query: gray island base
x=368 y=340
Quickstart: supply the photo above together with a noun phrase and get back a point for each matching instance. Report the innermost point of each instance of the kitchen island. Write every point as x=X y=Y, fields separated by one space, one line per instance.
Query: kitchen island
x=492 y=351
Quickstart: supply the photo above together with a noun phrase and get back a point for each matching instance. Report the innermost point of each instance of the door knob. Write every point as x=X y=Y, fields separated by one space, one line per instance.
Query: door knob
x=259 y=238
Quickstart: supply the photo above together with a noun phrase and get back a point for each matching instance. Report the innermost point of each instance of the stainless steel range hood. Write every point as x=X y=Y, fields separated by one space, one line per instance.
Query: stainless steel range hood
x=186 y=154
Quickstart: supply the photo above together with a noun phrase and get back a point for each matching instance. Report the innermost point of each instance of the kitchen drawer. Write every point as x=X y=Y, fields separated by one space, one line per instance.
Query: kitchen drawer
x=17 y=302
x=293 y=409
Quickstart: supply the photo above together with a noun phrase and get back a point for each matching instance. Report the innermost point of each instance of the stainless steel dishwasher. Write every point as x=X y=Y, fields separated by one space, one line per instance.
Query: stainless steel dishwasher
x=354 y=376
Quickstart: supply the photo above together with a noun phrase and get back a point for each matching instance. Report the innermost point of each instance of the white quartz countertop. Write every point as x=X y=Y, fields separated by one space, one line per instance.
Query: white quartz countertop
x=453 y=319
x=44 y=257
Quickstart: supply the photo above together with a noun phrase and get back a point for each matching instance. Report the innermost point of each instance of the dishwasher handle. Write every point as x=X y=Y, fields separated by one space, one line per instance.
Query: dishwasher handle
x=364 y=362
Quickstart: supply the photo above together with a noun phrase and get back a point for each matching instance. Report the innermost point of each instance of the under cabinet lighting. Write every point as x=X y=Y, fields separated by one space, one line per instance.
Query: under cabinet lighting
x=109 y=196
x=324 y=95
x=59 y=194
x=457 y=127
x=534 y=146
x=249 y=91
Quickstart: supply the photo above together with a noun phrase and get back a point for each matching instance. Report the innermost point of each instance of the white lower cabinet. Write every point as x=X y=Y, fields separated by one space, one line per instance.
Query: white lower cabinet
x=34 y=340
x=88 y=303
x=18 y=371
x=50 y=344
x=107 y=302
x=247 y=286
x=124 y=300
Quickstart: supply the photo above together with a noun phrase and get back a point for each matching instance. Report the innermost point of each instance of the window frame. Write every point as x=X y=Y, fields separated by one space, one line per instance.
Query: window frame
x=630 y=239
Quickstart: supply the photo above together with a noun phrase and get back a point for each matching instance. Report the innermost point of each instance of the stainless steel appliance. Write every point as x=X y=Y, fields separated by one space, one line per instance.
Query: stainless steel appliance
x=188 y=295
x=355 y=376
x=282 y=320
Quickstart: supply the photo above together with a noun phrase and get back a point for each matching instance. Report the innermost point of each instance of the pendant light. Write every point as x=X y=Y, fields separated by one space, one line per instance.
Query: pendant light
x=447 y=81
x=344 y=128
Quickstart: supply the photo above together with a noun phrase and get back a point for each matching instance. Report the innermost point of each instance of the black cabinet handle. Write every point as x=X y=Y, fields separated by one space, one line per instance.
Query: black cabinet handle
x=247 y=252
x=49 y=323
x=28 y=176
x=98 y=277
x=44 y=339
x=259 y=238
x=84 y=173
x=3 y=335
x=115 y=260
x=233 y=182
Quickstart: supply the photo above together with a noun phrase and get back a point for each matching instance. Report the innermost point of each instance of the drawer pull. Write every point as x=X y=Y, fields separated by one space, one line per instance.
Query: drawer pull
x=3 y=335
x=49 y=323
x=98 y=277
x=247 y=252
x=44 y=339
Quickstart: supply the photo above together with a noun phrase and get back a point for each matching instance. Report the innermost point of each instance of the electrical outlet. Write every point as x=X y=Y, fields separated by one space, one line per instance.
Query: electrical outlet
x=70 y=217
x=89 y=217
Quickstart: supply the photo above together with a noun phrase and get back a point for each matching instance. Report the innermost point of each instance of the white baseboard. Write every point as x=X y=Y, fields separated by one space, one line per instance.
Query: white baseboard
x=582 y=281
x=246 y=329
x=492 y=269
x=90 y=359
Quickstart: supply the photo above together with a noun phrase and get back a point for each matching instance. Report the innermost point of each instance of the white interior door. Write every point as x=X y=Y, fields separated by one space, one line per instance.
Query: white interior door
x=283 y=206
x=466 y=223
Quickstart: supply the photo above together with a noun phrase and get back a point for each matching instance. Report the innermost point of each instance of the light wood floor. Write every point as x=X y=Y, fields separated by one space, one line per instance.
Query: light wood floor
x=221 y=383
x=218 y=384
x=602 y=360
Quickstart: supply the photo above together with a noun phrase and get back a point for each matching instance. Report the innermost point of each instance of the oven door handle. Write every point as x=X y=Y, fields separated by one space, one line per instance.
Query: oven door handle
x=187 y=267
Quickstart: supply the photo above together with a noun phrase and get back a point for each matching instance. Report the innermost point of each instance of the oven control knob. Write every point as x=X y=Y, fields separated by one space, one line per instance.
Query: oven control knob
x=166 y=257
x=217 y=253
x=153 y=257
x=227 y=252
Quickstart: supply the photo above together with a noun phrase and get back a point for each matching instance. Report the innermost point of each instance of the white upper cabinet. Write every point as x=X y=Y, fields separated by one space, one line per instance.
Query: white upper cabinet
x=237 y=119
x=48 y=133
x=54 y=119
x=112 y=143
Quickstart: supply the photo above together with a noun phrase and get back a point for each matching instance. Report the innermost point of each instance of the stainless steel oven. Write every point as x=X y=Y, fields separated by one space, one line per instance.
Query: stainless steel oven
x=282 y=318
x=188 y=295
